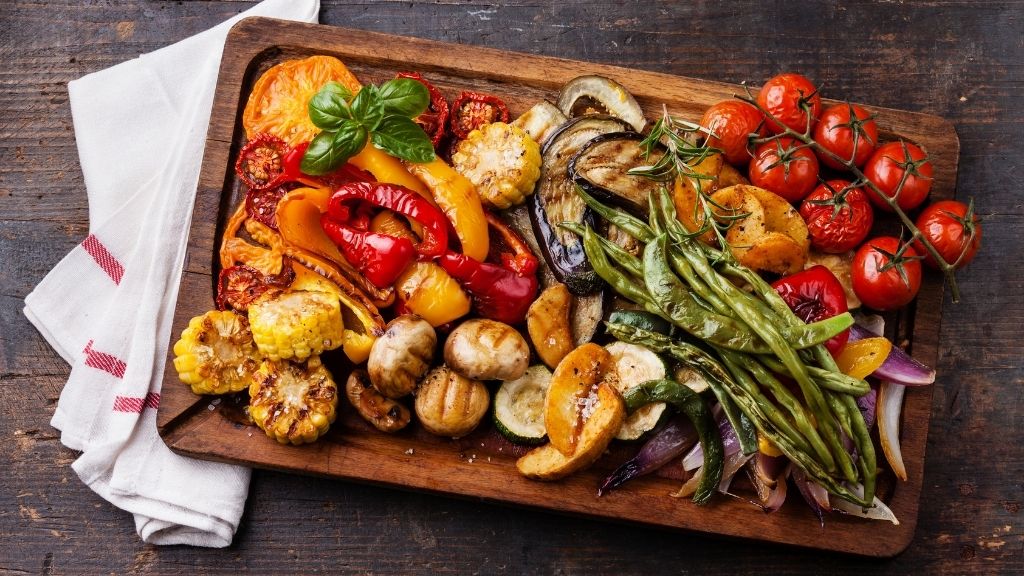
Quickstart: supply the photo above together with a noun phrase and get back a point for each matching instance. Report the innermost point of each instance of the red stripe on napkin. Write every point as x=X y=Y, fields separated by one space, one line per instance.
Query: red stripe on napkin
x=135 y=404
x=103 y=361
x=104 y=258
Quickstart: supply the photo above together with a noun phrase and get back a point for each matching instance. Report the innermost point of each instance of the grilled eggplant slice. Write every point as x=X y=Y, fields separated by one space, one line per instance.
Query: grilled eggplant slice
x=541 y=121
x=601 y=168
x=555 y=201
x=587 y=94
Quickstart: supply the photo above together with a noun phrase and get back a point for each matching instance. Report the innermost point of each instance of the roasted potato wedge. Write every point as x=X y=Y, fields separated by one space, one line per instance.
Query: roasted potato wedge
x=730 y=176
x=547 y=322
x=571 y=394
x=606 y=416
x=773 y=237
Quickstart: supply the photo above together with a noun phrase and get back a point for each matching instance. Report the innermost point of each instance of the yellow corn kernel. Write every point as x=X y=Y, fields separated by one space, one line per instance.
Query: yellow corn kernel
x=216 y=353
x=296 y=324
x=502 y=161
x=294 y=403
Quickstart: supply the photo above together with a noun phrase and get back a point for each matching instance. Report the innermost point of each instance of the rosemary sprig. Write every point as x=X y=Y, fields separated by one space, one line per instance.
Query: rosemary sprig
x=682 y=155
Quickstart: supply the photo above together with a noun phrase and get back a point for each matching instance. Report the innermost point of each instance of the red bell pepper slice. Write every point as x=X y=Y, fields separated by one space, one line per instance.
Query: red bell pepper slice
x=815 y=294
x=398 y=199
x=379 y=257
x=502 y=291
x=521 y=259
x=498 y=293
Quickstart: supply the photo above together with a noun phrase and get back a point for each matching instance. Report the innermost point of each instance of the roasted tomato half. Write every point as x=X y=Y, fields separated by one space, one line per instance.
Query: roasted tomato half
x=792 y=100
x=278 y=101
x=732 y=122
x=838 y=216
x=472 y=110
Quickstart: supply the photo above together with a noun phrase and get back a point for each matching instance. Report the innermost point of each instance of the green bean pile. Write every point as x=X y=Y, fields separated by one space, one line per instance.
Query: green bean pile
x=748 y=340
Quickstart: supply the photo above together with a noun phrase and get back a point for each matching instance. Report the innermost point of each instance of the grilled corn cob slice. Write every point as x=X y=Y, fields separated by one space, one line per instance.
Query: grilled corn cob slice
x=294 y=403
x=296 y=324
x=216 y=353
x=502 y=161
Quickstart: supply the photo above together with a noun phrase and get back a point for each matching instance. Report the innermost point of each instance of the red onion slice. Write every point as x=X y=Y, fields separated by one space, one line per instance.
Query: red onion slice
x=890 y=405
x=666 y=444
x=899 y=366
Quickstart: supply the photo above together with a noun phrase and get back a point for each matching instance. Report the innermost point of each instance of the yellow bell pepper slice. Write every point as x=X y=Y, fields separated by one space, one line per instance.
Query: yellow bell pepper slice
x=388 y=169
x=459 y=201
x=425 y=289
x=861 y=358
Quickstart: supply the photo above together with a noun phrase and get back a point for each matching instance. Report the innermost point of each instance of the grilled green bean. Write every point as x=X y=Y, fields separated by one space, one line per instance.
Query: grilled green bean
x=676 y=300
x=827 y=379
x=801 y=419
x=689 y=403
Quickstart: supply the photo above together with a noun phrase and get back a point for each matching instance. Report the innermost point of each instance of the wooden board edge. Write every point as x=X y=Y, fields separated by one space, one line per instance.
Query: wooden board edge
x=190 y=441
x=178 y=435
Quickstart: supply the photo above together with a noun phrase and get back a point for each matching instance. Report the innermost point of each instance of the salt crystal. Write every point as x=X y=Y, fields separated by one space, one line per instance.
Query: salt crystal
x=409 y=451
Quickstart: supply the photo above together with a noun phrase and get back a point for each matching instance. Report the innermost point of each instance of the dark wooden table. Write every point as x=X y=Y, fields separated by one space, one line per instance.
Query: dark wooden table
x=960 y=60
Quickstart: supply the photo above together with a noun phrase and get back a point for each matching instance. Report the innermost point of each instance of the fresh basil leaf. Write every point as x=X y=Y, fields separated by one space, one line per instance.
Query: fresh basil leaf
x=329 y=150
x=319 y=155
x=328 y=108
x=401 y=137
x=338 y=88
x=405 y=97
x=366 y=107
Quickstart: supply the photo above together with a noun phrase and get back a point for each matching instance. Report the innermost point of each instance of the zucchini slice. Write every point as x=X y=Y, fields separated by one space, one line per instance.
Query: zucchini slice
x=635 y=365
x=690 y=378
x=519 y=406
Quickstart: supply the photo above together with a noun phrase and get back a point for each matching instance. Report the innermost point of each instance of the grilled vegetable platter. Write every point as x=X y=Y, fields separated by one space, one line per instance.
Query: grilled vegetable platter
x=581 y=280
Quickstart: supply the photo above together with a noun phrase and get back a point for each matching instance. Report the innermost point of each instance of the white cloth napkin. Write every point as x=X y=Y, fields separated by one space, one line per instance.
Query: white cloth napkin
x=107 y=306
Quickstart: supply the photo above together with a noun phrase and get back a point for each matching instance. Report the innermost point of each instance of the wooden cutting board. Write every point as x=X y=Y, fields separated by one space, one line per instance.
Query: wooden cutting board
x=482 y=465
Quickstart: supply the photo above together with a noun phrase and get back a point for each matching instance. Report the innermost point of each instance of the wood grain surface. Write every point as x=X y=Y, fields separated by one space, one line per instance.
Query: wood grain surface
x=962 y=61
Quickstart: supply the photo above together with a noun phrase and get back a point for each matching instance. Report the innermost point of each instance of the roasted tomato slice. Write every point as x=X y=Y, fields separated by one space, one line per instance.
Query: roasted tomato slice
x=815 y=294
x=278 y=101
x=435 y=120
x=261 y=205
x=238 y=286
x=472 y=110
x=261 y=162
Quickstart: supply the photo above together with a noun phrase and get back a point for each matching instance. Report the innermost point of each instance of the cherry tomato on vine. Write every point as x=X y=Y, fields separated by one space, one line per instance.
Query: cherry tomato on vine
x=815 y=294
x=784 y=167
x=788 y=97
x=953 y=229
x=848 y=131
x=885 y=275
x=732 y=122
x=886 y=167
x=838 y=216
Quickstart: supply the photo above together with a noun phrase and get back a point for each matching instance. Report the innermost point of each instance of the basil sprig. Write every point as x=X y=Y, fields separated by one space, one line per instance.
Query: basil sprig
x=381 y=114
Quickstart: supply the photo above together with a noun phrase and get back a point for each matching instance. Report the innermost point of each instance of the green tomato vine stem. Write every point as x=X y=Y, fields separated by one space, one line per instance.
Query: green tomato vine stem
x=948 y=269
